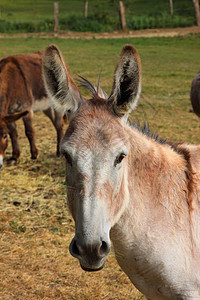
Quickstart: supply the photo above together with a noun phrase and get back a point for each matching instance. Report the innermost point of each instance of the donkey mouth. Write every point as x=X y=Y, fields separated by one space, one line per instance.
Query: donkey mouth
x=92 y=269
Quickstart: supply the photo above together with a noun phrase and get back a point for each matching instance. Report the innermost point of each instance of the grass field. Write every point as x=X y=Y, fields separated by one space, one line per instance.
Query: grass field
x=35 y=227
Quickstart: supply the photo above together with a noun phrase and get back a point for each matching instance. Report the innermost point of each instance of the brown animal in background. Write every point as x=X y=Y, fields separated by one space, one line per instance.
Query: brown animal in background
x=22 y=93
x=126 y=186
x=195 y=94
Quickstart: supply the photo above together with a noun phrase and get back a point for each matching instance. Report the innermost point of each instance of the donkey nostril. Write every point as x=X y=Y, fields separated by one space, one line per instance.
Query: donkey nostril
x=99 y=250
x=75 y=249
x=104 y=249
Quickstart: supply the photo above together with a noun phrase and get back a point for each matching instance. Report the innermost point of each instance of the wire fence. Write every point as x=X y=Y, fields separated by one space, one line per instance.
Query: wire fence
x=39 y=15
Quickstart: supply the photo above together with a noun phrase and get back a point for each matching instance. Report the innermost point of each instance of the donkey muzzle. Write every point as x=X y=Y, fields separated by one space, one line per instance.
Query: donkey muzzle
x=92 y=256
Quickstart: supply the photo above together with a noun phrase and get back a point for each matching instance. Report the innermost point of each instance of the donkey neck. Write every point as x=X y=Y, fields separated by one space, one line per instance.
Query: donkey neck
x=153 y=167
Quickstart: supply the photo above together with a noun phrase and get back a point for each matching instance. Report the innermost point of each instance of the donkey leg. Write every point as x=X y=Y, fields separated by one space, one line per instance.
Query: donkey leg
x=57 y=120
x=15 y=146
x=30 y=134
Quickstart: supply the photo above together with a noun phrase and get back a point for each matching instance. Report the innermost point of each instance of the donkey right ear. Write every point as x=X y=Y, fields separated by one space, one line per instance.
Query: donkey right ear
x=60 y=87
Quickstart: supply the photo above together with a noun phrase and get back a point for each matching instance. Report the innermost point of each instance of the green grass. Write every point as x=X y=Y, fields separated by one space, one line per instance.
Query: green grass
x=168 y=64
x=35 y=235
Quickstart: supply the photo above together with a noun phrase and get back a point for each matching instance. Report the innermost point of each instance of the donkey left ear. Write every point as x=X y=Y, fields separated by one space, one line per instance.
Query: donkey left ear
x=14 y=117
x=60 y=86
x=127 y=82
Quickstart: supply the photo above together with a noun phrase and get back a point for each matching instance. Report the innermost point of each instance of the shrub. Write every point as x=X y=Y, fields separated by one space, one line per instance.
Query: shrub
x=99 y=22
x=93 y=23
x=159 y=21
x=79 y=23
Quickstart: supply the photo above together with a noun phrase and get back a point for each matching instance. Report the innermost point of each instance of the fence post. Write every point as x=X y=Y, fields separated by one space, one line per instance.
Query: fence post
x=171 y=7
x=56 y=22
x=122 y=15
x=86 y=9
x=196 y=7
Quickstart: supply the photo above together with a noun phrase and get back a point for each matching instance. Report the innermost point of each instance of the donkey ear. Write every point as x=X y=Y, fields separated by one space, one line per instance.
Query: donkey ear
x=58 y=82
x=14 y=117
x=127 y=82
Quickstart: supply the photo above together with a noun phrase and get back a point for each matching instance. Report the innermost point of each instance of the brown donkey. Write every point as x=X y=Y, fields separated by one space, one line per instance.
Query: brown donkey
x=22 y=92
x=126 y=186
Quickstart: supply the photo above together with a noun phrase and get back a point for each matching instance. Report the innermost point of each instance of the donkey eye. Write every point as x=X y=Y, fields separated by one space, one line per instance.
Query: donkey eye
x=5 y=136
x=119 y=159
x=68 y=158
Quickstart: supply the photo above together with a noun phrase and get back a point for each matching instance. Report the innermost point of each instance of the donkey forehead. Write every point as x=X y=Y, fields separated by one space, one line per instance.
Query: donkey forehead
x=94 y=127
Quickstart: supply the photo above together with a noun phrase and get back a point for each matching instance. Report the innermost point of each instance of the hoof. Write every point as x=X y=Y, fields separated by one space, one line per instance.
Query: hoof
x=11 y=161
x=33 y=157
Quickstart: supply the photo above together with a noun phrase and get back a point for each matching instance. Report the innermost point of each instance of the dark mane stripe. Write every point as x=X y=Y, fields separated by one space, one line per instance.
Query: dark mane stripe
x=179 y=148
x=145 y=129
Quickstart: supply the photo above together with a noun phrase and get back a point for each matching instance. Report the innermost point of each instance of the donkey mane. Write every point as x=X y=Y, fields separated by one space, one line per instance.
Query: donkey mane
x=145 y=129
x=83 y=82
x=189 y=172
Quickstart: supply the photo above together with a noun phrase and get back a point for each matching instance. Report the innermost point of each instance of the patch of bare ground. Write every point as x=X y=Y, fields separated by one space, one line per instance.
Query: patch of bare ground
x=166 y=32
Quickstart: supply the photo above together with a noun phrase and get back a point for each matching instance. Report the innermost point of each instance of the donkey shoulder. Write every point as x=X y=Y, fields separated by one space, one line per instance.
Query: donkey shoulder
x=192 y=155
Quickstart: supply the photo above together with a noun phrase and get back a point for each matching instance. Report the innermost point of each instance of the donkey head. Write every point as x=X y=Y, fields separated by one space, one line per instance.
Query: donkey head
x=4 y=121
x=96 y=148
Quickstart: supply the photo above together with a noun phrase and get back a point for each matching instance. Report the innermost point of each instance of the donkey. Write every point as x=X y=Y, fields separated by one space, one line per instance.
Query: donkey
x=22 y=91
x=126 y=186
x=195 y=94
